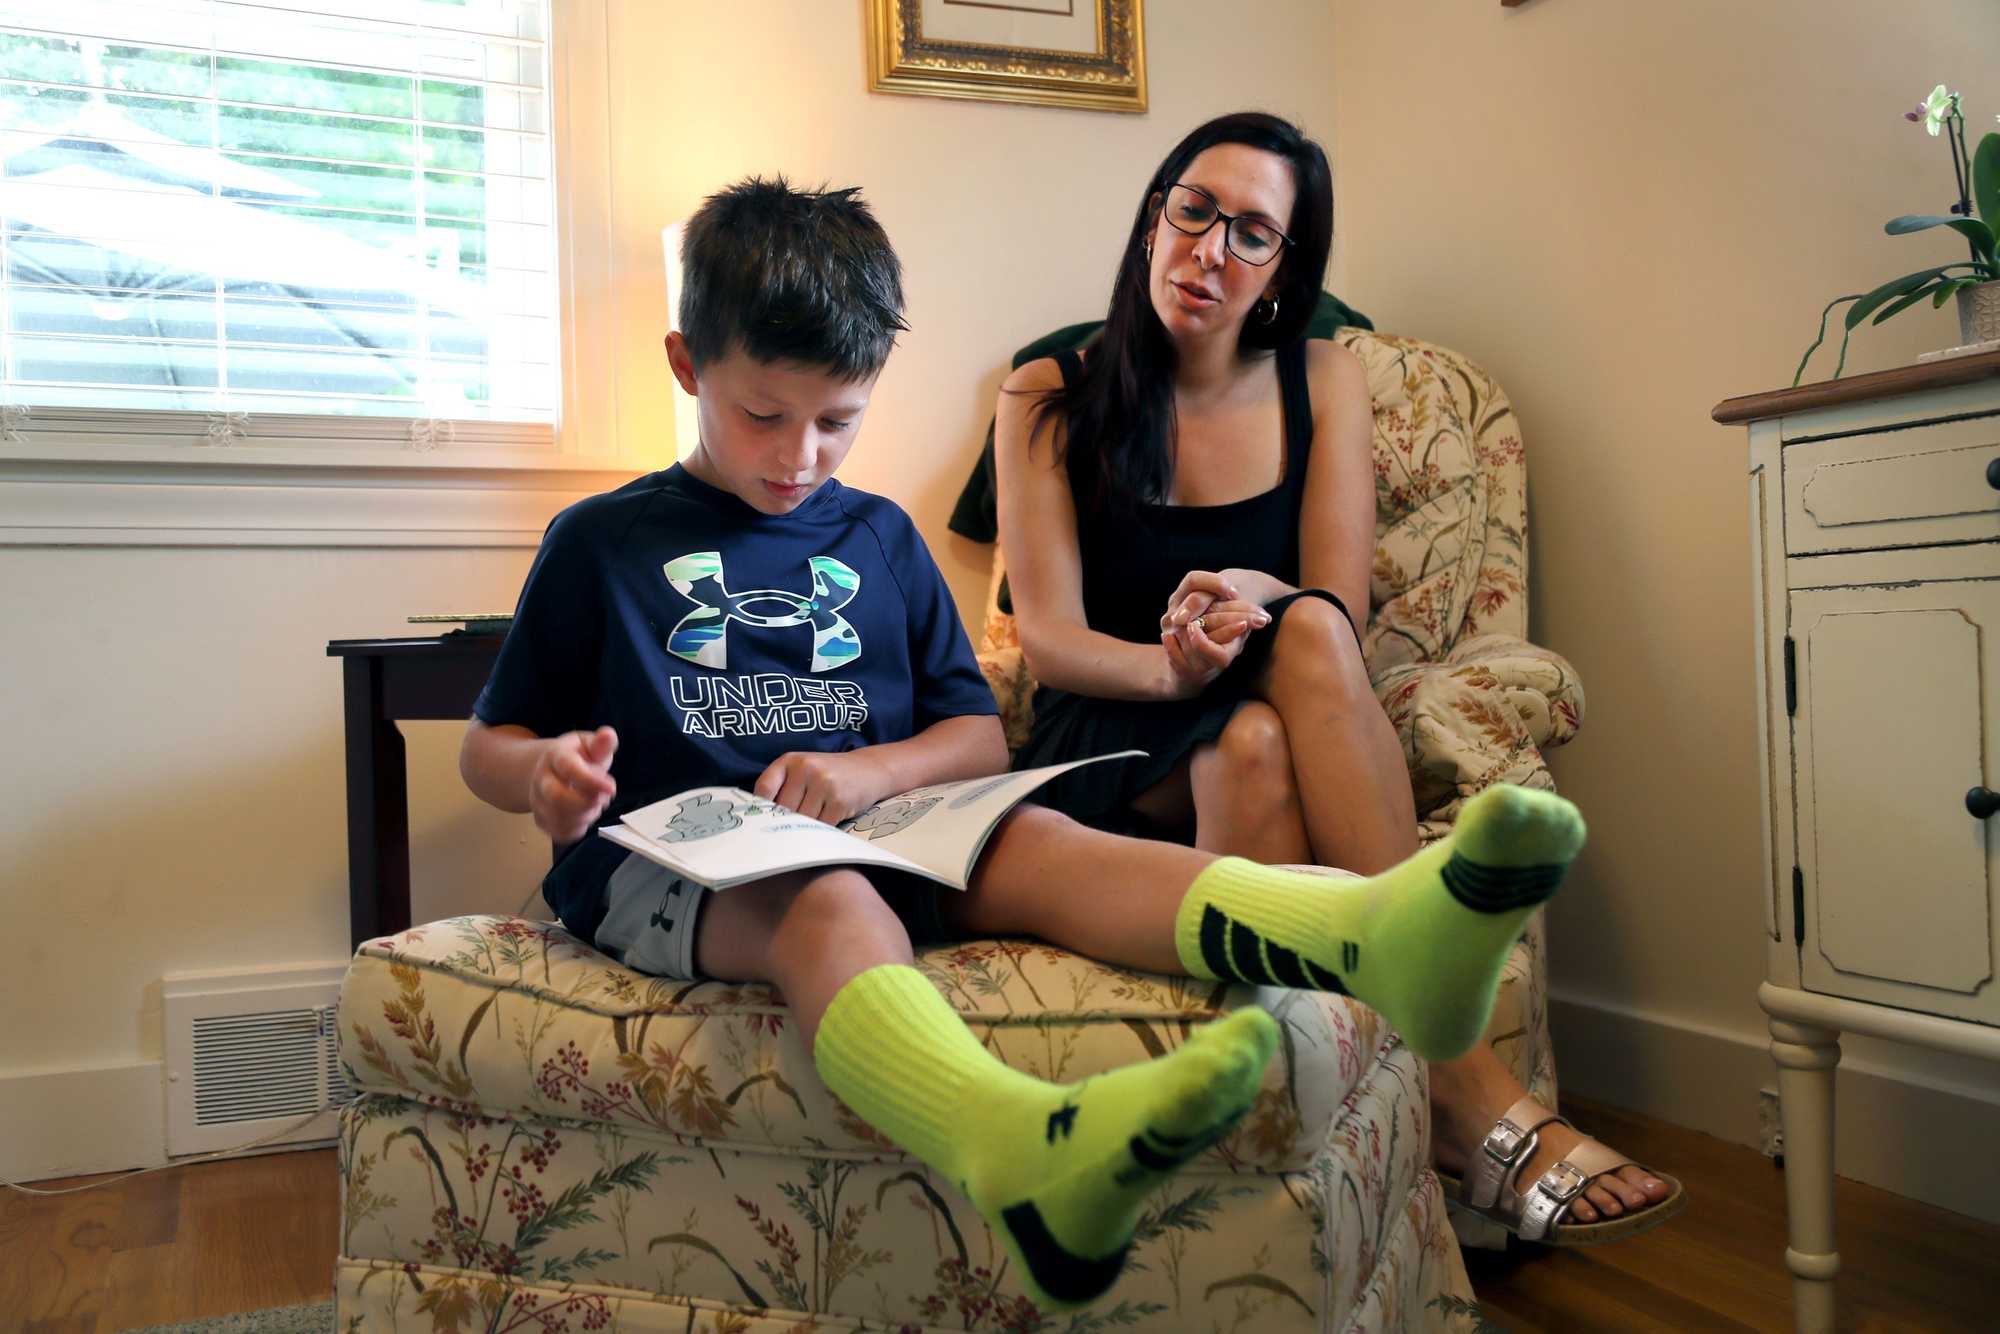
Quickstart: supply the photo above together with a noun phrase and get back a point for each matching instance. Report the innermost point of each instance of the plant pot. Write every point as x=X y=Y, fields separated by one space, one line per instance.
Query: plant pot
x=1979 y=313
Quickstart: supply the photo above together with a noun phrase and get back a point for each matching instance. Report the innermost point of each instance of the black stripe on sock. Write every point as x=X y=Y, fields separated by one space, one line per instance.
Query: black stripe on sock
x=1246 y=951
x=1071 y=1279
x=1214 y=947
x=1164 y=1153
x=1234 y=952
x=1325 y=981
x=1287 y=967
x=1152 y=1159
x=1494 y=889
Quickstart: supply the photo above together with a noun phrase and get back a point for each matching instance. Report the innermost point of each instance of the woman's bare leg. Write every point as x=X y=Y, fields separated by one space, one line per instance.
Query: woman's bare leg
x=1246 y=797
x=1470 y=1093
x=1353 y=785
x=1467 y=1094
x=1240 y=782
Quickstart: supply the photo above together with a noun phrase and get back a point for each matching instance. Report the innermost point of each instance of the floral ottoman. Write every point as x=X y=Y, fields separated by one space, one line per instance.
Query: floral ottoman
x=547 y=1140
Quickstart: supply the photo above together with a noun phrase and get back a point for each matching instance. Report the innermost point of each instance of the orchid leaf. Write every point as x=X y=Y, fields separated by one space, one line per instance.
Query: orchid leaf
x=1986 y=180
x=1901 y=304
x=1952 y=287
x=1894 y=288
x=1972 y=229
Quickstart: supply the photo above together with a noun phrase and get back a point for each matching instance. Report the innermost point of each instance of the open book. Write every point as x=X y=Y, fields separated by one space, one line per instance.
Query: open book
x=723 y=836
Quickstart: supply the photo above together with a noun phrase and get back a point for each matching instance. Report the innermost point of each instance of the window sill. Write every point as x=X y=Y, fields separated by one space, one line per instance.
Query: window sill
x=136 y=495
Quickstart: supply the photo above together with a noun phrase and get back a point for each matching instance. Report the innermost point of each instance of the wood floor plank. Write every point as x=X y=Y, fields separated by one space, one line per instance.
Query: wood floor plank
x=268 y=1229
x=146 y=1281
x=55 y=1257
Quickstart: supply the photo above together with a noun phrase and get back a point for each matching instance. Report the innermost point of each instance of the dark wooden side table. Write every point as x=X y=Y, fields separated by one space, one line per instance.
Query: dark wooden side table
x=387 y=680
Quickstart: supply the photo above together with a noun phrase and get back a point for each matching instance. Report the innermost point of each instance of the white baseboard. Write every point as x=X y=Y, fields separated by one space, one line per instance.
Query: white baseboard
x=1918 y=1140
x=70 y=1122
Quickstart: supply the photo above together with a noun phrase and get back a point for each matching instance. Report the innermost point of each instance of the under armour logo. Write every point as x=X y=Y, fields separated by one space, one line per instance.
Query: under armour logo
x=701 y=636
x=660 y=917
x=1063 y=1120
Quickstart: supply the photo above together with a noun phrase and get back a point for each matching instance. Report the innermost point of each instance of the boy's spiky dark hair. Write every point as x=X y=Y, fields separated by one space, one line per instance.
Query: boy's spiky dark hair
x=790 y=275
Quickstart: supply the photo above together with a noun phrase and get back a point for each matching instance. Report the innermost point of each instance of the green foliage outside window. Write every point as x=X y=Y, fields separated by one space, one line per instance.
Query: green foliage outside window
x=377 y=203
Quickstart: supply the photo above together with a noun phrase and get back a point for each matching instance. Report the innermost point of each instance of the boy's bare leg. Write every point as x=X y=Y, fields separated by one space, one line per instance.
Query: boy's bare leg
x=1059 y=1172
x=1116 y=899
x=1422 y=941
x=809 y=933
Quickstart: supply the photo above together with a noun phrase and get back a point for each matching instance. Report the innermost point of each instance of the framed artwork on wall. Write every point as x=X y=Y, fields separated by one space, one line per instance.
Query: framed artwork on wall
x=1089 y=54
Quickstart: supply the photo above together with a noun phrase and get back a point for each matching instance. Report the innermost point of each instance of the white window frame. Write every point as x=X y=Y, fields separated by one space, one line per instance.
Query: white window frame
x=162 y=477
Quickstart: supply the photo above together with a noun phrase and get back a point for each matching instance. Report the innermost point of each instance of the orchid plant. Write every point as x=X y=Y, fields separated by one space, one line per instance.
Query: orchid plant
x=1975 y=215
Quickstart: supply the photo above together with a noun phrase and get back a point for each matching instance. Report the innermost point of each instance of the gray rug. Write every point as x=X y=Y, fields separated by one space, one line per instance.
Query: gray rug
x=316 y=1318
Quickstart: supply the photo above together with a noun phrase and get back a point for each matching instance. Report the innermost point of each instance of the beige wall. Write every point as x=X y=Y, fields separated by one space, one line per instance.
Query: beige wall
x=172 y=797
x=173 y=792
x=1008 y=218
x=1628 y=211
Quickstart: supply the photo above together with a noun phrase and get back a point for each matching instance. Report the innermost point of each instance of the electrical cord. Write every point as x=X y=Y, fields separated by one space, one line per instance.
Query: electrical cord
x=279 y=1133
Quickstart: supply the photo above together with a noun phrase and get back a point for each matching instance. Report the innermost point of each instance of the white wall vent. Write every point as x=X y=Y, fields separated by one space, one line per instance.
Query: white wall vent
x=249 y=1052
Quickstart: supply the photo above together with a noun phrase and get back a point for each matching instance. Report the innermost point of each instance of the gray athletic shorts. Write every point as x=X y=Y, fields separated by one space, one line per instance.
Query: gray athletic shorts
x=650 y=914
x=649 y=919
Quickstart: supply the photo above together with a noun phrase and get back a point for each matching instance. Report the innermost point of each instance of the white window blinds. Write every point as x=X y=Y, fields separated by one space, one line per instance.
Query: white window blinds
x=296 y=207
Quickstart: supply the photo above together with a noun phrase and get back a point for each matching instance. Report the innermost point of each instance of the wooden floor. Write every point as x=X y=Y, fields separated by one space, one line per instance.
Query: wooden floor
x=208 y=1239
x=1720 y=1265
x=237 y=1235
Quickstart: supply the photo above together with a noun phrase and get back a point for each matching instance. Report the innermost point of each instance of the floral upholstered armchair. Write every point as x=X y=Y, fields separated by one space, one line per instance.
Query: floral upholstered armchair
x=546 y=1140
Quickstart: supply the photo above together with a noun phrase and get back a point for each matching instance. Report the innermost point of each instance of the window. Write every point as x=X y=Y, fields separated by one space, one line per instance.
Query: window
x=291 y=224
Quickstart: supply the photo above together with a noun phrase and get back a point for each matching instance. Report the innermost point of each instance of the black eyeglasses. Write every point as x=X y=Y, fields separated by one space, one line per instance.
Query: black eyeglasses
x=1194 y=211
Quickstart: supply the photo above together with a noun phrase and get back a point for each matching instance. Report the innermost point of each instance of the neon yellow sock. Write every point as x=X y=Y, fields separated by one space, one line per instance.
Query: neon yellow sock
x=1423 y=942
x=1059 y=1172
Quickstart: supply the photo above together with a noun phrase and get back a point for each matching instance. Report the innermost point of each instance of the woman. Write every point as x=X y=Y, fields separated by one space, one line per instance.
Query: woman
x=1188 y=516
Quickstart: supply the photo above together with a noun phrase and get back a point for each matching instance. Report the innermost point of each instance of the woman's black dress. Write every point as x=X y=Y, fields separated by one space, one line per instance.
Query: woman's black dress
x=1131 y=565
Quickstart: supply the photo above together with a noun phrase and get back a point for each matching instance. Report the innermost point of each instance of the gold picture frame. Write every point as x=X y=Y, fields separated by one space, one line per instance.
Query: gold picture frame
x=963 y=55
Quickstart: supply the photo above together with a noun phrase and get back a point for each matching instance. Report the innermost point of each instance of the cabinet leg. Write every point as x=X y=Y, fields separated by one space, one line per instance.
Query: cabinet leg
x=1806 y=1057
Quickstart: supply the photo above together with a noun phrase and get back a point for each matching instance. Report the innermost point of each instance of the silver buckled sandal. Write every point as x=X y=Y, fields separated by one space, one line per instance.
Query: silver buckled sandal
x=1491 y=1185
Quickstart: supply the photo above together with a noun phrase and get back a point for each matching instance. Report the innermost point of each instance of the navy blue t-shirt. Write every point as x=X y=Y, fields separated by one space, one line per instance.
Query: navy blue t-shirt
x=716 y=638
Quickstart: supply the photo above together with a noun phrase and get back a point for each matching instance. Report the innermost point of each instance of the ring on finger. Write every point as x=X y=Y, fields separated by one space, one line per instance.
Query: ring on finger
x=1201 y=623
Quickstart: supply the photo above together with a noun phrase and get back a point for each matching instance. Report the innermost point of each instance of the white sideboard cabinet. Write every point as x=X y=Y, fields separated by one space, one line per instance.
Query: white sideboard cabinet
x=1875 y=540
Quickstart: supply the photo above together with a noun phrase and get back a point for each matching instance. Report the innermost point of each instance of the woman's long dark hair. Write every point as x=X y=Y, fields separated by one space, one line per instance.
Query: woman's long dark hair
x=1119 y=436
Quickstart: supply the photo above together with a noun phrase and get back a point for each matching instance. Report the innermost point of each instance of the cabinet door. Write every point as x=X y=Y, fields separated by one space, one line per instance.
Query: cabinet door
x=1892 y=727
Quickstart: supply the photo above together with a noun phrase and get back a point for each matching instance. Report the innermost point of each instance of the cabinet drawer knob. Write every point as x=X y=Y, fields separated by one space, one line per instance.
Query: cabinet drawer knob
x=1993 y=474
x=1982 y=802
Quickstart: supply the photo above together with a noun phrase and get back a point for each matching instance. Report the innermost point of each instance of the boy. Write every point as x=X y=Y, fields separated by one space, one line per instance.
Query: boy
x=743 y=618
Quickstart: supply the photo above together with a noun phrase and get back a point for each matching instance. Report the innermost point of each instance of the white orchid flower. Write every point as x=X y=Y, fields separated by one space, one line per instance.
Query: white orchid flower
x=1937 y=108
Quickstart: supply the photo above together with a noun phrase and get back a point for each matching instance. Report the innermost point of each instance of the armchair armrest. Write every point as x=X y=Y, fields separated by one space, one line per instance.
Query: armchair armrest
x=1484 y=715
x=1006 y=672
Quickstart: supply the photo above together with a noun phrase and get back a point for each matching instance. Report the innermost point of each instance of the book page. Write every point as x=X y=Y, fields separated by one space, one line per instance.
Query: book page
x=723 y=836
x=943 y=827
